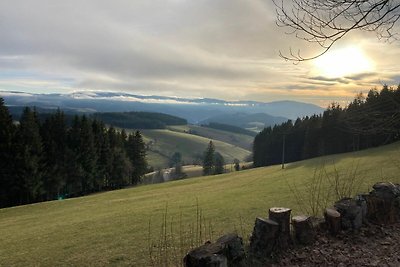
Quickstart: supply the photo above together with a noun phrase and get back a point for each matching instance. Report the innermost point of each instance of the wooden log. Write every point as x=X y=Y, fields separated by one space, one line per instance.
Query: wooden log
x=332 y=219
x=263 y=238
x=304 y=231
x=282 y=217
x=384 y=203
x=228 y=250
x=350 y=213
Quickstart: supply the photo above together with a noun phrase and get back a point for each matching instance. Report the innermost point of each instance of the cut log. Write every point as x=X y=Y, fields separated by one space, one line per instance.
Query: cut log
x=282 y=217
x=263 y=239
x=228 y=250
x=361 y=201
x=384 y=203
x=350 y=213
x=332 y=219
x=303 y=229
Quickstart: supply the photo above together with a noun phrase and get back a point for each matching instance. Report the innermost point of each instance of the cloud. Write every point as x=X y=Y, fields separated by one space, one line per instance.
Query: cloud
x=361 y=76
x=227 y=49
x=330 y=81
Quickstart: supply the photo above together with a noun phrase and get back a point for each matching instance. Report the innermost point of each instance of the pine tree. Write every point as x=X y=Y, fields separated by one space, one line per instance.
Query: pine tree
x=87 y=156
x=104 y=155
x=54 y=134
x=29 y=158
x=136 y=151
x=219 y=163
x=7 y=174
x=121 y=169
x=208 y=159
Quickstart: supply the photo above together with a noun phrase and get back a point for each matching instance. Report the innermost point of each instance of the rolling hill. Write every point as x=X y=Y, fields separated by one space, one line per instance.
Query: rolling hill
x=241 y=140
x=254 y=121
x=167 y=142
x=122 y=228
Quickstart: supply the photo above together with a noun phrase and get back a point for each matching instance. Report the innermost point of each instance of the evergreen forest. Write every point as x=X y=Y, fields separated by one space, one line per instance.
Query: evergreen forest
x=139 y=120
x=368 y=121
x=51 y=159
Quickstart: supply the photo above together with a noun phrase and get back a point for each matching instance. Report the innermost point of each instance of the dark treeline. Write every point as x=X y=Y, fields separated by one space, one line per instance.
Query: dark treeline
x=139 y=120
x=47 y=160
x=127 y=120
x=229 y=128
x=366 y=122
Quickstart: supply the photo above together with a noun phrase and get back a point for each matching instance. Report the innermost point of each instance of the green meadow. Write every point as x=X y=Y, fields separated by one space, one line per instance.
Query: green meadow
x=236 y=139
x=167 y=142
x=115 y=228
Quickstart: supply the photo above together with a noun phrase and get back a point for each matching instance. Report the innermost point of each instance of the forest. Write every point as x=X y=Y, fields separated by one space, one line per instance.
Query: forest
x=139 y=120
x=368 y=121
x=50 y=159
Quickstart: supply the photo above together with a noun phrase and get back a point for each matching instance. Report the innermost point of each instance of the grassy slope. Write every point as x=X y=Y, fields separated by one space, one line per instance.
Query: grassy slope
x=157 y=160
x=167 y=142
x=240 y=140
x=111 y=228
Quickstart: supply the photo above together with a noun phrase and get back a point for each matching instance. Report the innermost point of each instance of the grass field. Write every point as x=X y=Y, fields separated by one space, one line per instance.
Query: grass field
x=240 y=140
x=157 y=160
x=112 y=228
x=191 y=147
x=193 y=171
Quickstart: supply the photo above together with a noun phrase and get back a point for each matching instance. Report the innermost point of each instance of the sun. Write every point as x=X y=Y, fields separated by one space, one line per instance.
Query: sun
x=343 y=62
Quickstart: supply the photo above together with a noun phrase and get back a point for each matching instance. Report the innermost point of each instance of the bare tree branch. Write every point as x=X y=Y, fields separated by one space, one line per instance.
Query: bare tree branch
x=327 y=21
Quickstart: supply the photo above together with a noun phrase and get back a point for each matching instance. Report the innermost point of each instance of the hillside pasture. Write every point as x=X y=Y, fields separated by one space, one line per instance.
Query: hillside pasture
x=114 y=228
x=240 y=140
x=191 y=147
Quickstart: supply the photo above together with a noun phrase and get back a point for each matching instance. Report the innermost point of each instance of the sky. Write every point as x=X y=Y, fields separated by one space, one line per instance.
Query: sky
x=227 y=49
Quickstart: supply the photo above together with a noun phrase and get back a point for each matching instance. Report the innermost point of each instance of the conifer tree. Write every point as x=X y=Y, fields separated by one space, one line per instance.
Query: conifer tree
x=208 y=159
x=136 y=150
x=29 y=158
x=219 y=163
x=7 y=130
x=121 y=169
x=87 y=156
x=104 y=155
x=54 y=134
x=75 y=170
x=141 y=165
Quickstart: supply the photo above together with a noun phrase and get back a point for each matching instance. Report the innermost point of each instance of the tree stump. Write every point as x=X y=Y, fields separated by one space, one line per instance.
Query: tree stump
x=228 y=250
x=263 y=238
x=350 y=213
x=332 y=220
x=303 y=229
x=282 y=217
x=384 y=203
x=361 y=201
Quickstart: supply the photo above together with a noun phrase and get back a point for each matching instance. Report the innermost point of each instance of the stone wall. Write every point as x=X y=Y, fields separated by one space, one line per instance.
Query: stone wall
x=280 y=232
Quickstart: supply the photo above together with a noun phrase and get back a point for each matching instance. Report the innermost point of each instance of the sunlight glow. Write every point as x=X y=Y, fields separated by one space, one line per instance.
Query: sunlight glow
x=343 y=62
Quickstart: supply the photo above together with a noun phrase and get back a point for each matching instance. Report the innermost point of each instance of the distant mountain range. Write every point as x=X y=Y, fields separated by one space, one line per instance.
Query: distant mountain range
x=194 y=110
